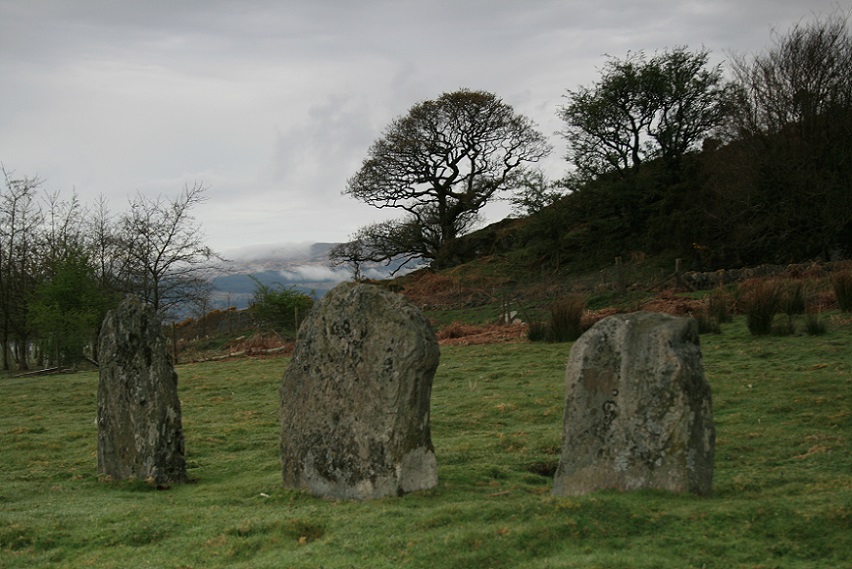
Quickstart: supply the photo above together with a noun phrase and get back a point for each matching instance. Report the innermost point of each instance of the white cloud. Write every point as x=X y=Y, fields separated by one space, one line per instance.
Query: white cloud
x=312 y=273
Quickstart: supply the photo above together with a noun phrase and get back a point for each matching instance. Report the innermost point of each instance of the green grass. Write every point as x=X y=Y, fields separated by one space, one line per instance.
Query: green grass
x=782 y=488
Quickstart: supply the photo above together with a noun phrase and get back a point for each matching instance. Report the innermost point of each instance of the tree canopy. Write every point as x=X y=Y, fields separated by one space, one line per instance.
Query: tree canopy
x=770 y=184
x=165 y=248
x=441 y=163
x=642 y=109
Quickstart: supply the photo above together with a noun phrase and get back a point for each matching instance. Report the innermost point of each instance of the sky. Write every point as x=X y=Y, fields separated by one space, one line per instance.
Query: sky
x=272 y=104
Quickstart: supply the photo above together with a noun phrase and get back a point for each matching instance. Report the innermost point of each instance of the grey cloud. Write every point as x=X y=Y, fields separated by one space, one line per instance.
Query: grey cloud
x=274 y=104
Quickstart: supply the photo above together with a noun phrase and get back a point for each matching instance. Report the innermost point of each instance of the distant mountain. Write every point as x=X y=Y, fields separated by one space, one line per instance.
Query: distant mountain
x=304 y=267
x=274 y=257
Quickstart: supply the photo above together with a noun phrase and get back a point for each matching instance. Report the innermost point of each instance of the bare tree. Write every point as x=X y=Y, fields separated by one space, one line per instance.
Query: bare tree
x=801 y=82
x=20 y=219
x=164 y=248
x=794 y=122
x=110 y=264
x=62 y=234
x=354 y=253
x=395 y=242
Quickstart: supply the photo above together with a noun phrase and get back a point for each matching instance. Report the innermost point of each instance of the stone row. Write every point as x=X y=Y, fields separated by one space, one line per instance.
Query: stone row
x=355 y=402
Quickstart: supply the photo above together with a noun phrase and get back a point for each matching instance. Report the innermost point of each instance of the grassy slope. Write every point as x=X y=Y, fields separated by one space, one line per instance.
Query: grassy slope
x=783 y=484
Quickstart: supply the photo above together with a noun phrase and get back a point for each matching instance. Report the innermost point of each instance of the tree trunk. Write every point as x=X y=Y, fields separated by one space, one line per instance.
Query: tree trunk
x=5 y=342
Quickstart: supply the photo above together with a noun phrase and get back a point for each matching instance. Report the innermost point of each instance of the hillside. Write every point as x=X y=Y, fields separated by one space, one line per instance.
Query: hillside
x=643 y=241
x=471 y=302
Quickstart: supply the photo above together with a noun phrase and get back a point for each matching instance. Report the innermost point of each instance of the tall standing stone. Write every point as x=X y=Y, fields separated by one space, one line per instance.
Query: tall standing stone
x=355 y=398
x=139 y=415
x=637 y=409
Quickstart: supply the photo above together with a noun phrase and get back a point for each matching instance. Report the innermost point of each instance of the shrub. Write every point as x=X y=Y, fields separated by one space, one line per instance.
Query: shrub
x=707 y=324
x=566 y=316
x=565 y=324
x=760 y=303
x=538 y=331
x=456 y=329
x=814 y=324
x=720 y=306
x=785 y=328
x=793 y=299
x=279 y=308
x=841 y=282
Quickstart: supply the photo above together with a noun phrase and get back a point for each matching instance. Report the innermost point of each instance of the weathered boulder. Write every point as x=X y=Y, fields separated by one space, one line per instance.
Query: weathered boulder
x=355 y=398
x=139 y=415
x=637 y=409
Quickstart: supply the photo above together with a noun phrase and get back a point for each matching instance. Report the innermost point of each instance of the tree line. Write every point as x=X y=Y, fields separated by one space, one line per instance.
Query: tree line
x=64 y=264
x=666 y=154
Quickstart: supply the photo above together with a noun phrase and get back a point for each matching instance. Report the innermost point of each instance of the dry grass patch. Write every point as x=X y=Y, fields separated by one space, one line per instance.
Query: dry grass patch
x=458 y=334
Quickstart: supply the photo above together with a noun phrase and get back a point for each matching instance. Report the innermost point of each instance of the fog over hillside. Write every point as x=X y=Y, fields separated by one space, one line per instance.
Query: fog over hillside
x=301 y=266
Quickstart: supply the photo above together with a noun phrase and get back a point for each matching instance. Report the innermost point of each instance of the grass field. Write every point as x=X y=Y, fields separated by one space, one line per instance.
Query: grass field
x=782 y=487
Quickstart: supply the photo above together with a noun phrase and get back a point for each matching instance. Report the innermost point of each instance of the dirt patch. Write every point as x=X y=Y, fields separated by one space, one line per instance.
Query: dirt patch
x=259 y=343
x=670 y=303
x=253 y=345
x=429 y=290
x=590 y=317
x=457 y=334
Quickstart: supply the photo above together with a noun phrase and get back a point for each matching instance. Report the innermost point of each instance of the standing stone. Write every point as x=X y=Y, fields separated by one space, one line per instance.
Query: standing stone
x=637 y=409
x=355 y=398
x=139 y=417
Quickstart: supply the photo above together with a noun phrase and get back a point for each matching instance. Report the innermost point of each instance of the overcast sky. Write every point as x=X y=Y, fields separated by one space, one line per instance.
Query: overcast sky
x=273 y=104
